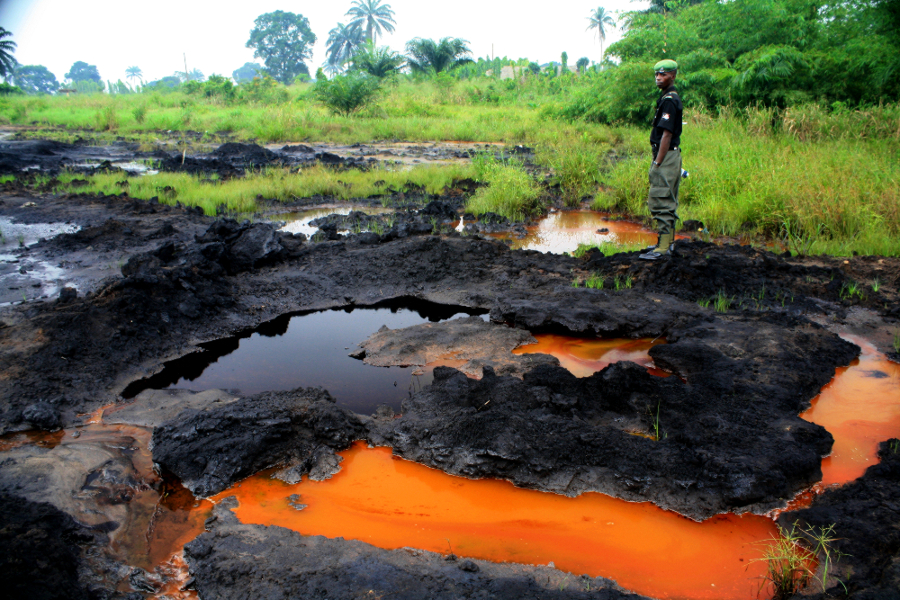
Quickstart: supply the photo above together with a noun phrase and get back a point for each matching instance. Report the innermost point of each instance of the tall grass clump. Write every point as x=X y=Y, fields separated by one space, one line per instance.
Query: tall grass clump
x=510 y=190
x=794 y=557
x=831 y=196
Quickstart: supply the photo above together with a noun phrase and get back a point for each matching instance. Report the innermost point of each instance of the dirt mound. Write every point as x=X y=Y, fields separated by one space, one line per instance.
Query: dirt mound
x=757 y=279
x=723 y=436
x=211 y=449
x=866 y=519
x=250 y=154
x=232 y=561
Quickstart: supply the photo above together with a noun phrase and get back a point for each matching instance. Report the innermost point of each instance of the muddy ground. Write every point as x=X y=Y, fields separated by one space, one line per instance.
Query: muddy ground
x=148 y=283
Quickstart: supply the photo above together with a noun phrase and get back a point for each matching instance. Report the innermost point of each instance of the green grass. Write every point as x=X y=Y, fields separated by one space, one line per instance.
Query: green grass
x=794 y=557
x=277 y=184
x=821 y=181
x=606 y=248
x=832 y=196
x=510 y=192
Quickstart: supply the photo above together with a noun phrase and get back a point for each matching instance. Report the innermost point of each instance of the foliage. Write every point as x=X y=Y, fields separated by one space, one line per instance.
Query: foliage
x=35 y=79
x=372 y=16
x=346 y=94
x=87 y=86
x=284 y=41
x=133 y=73
x=599 y=20
x=791 y=559
x=247 y=72
x=81 y=71
x=378 y=62
x=343 y=42
x=7 y=47
x=166 y=83
x=428 y=56
x=510 y=192
x=216 y=86
x=263 y=89
x=9 y=90
x=582 y=64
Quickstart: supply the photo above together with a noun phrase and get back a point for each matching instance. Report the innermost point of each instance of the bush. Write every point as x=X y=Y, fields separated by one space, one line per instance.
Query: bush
x=511 y=191
x=9 y=90
x=263 y=89
x=346 y=94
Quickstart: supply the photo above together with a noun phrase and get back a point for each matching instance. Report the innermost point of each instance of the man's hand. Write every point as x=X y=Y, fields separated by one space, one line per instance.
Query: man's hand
x=664 y=144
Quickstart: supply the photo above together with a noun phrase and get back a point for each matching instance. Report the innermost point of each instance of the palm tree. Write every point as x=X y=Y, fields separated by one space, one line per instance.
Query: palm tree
x=7 y=47
x=599 y=20
x=342 y=42
x=378 y=62
x=133 y=73
x=373 y=16
x=428 y=55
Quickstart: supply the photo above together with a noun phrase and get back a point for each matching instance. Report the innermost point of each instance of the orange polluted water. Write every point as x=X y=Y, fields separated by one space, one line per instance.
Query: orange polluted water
x=563 y=231
x=391 y=503
x=860 y=407
x=585 y=356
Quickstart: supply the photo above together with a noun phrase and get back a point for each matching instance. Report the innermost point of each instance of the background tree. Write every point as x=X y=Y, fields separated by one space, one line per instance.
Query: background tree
x=284 y=41
x=132 y=73
x=379 y=62
x=582 y=64
x=7 y=47
x=600 y=20
x=425 y=55
x=342 y=42
x=192 y=75
x=81 y=71
x=35 y=79
x=247 y=72
x=372 y=16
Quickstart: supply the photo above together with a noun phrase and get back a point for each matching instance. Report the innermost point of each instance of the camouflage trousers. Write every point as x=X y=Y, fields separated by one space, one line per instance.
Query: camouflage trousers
x=663 y=198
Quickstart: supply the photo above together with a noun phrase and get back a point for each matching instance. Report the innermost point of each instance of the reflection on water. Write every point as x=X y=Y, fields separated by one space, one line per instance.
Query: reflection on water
x=392 y=503
x=563 y=231
x=308 y=350
x=585 y=356
x=298 y=222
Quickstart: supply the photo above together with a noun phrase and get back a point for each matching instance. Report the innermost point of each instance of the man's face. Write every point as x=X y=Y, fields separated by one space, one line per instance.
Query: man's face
x=664 y=80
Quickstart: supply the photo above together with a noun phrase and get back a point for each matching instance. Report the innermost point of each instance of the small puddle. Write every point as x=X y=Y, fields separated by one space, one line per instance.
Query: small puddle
x=563 y=231
x=298 y=222
x=391 y=503
x=308 y=350
x=585 y=356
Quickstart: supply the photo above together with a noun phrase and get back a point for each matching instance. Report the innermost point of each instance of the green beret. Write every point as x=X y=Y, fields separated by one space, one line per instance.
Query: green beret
x=667 y=65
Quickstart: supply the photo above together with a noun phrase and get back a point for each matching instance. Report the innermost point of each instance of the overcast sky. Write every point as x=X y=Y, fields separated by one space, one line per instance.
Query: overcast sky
x=155 y=36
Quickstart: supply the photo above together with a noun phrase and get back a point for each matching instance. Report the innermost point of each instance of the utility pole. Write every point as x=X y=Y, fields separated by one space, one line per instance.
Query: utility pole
x=186 y=75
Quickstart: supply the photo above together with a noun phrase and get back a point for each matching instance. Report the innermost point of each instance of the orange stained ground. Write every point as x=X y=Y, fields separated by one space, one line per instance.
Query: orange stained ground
x=860 y=407
x=563 y=231
x=585 y=356
x=392 y=503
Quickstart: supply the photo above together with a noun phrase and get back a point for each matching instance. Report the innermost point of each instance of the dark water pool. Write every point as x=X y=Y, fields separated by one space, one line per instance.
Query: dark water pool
x=308 y=350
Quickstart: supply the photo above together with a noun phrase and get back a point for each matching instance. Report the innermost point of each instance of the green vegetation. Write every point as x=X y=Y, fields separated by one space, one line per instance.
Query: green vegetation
x=792 y=133
x=722 y=302
x=240 y=195
x=606 y=248
x=510 y=192
x=347 y=94
x=897 y=341
x=793 y=557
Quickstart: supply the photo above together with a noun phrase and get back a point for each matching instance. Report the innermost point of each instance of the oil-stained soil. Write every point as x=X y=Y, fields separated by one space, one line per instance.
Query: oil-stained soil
x=149 y=283
x=232 y=560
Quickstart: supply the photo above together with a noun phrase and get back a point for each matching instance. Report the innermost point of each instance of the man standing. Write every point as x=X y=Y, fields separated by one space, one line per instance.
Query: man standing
x=665 y=170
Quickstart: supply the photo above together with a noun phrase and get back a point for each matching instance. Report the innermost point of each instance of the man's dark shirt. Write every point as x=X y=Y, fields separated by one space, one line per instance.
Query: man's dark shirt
x=669 y=112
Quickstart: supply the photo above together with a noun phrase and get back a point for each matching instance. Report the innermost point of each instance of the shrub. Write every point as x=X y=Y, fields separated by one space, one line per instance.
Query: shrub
x=346 y=94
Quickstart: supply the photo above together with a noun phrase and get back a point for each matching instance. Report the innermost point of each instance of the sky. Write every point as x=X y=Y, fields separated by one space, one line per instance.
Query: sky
x=157 y=36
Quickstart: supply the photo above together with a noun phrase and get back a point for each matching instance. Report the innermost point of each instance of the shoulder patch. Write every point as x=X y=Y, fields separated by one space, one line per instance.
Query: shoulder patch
x=665 y=116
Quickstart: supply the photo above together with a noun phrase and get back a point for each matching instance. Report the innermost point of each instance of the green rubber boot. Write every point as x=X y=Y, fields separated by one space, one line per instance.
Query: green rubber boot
x=666 y=241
